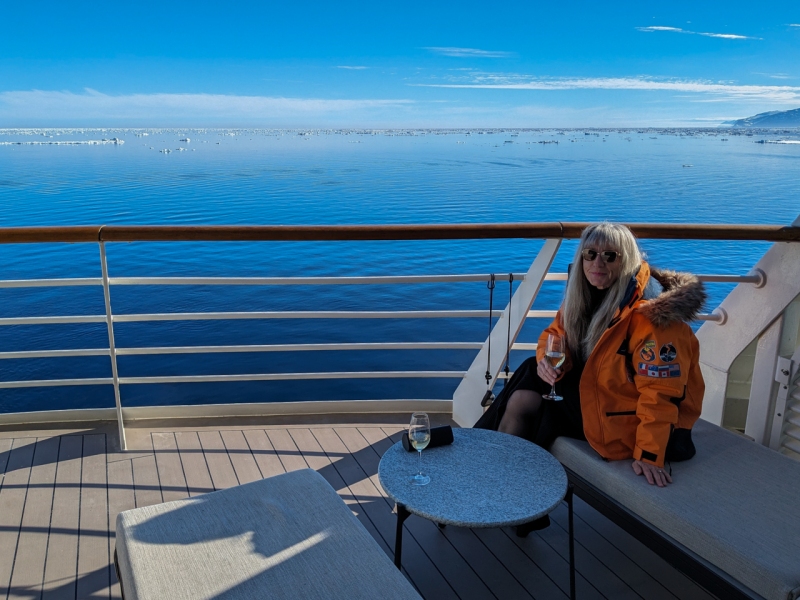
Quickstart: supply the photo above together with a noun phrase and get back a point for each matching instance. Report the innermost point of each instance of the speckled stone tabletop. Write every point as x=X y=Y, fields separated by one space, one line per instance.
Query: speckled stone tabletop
x=483 y=479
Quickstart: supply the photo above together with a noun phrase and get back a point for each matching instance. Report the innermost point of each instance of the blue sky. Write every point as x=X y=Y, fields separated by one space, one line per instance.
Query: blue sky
x=410 y=64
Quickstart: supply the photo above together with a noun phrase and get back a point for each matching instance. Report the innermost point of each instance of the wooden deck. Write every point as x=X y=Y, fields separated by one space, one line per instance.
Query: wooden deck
x=61 y=491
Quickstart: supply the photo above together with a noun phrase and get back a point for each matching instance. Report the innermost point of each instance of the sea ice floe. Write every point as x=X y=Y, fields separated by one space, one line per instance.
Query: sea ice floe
x=103 y=142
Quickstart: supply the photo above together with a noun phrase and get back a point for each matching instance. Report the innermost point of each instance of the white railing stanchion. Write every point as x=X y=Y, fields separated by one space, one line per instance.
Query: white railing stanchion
x=112 y=348
x=466 y=399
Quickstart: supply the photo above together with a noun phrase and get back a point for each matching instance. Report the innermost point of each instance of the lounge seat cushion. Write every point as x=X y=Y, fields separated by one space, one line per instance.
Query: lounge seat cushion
x=734 y=504
x=288 y=536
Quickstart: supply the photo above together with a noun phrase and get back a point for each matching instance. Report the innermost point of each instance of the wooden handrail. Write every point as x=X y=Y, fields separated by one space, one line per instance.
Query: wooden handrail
x=218 y=233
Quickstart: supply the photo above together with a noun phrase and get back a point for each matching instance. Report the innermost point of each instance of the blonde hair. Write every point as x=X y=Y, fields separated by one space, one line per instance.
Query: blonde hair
x=582 y=330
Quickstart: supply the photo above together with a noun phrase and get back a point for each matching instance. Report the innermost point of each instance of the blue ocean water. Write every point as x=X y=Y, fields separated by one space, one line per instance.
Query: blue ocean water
x=344 y=177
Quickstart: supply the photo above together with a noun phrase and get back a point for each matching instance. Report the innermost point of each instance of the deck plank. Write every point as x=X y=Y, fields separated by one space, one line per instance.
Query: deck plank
x=240 y=456
x=12 y=503
x=416 y=563
x=219 y=463
x=170 y=469
x=93 y=558
x=264 y=454
x=286 y=450
x=5 y=451
x=61 y=564
x=195 y=467
x=26 y=580
x=120 y=498
x=146 y=487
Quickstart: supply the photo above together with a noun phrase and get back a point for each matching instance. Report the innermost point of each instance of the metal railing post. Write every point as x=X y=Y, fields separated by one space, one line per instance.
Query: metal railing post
x=112 y=347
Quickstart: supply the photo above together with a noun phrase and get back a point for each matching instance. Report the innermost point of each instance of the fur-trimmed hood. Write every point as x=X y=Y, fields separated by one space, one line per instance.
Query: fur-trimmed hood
x=681 y=297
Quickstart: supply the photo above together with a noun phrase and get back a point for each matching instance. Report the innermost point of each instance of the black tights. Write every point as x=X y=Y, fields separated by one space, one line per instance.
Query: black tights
x=522 y=410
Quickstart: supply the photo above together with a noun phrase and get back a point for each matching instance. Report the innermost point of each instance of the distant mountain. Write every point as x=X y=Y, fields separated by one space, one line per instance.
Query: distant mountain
x=776 y=118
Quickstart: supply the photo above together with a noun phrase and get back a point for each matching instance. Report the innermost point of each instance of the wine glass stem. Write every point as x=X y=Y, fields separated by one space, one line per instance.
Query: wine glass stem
x=553 y=390
x=420 y=462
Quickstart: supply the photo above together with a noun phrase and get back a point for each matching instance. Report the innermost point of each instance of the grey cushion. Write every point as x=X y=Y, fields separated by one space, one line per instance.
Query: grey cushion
x=289 y=536
x=734 y=504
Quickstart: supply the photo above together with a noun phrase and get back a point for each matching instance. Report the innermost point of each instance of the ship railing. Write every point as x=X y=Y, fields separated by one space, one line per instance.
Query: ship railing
x=473 y=381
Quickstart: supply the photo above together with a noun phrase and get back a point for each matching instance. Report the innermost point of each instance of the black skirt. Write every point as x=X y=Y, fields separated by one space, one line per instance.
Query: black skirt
x=555 y=418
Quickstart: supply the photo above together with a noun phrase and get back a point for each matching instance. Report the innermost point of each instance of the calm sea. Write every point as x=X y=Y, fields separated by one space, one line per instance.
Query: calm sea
x=273 y=177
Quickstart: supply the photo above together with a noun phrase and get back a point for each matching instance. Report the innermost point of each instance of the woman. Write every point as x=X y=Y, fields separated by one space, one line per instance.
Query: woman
x=631 y=382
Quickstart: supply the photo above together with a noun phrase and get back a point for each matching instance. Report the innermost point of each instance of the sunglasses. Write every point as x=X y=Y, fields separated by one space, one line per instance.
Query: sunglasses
x=608 y=256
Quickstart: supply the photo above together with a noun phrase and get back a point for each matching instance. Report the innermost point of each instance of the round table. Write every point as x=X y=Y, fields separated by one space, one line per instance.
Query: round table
x=483 y=479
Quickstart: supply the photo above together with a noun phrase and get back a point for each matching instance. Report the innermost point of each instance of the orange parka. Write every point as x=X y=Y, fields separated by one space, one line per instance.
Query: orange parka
x=643 y=377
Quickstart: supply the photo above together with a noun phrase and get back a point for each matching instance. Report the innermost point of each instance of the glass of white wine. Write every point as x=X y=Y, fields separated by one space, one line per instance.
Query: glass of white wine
x=555 y=355
x=419 y=434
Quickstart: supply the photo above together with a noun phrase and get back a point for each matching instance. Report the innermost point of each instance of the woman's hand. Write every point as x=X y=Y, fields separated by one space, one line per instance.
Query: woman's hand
x=546 y=372
x=653 y=474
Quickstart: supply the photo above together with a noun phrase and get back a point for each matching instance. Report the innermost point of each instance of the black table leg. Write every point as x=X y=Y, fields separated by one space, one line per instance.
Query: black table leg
x=402 y=515
x=571 y=544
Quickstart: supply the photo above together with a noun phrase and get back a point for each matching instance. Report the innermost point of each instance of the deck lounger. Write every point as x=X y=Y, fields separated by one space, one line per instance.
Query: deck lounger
x=289 y=536
x=731 y=513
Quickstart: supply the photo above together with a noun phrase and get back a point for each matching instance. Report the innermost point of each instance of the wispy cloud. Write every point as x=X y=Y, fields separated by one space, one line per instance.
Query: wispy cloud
x=794 y=24
x=724 y=36
x=662 y=28
x=773 y=93
x=57 y=106
x=469 y=52
x=775 y=75
x=352 y=67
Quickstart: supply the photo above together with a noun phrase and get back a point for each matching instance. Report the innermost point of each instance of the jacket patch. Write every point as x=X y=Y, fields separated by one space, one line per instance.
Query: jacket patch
x=648 y=353
x=659 y=372
x=668 y=352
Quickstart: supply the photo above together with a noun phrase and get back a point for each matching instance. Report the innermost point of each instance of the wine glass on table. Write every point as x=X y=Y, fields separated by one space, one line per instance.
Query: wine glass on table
x=419 y=434
x=555 y=354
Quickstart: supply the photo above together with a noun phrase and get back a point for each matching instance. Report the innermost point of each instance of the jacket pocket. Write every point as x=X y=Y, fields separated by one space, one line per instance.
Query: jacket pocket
x=621 y=413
